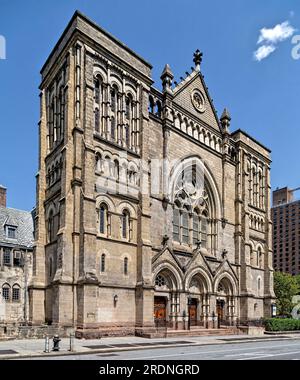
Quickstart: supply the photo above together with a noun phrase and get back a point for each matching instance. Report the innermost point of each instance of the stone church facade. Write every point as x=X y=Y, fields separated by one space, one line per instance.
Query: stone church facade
x=149 y=210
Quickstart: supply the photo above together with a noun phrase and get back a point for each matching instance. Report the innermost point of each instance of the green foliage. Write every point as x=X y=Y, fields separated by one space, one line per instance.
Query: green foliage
x=285 y=287
x=277 y=324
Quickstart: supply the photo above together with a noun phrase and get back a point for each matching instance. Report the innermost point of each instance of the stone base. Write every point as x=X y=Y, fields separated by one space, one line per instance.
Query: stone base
x=9 y=331
x=98 y=333
x=252 y=330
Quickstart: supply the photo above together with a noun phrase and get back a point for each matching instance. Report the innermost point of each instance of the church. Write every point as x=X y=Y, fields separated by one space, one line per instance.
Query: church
x=150 y=212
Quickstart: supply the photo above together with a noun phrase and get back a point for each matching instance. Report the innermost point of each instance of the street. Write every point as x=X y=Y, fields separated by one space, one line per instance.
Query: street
x=285 y=349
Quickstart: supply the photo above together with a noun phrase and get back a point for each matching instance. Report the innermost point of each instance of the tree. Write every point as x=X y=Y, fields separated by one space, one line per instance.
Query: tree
x=298 y=280
x=285 y=287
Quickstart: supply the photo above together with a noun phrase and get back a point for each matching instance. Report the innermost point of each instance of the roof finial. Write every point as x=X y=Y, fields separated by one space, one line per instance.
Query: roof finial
x=197 y=59
x=225 y=120
x=167 y=78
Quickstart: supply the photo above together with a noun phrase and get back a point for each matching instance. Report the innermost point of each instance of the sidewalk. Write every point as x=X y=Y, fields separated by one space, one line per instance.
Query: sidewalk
x=35 y=347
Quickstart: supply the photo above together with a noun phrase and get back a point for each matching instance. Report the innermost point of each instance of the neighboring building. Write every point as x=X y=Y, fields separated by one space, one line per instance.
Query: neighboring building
x=16 y=245
x=113 y=256
x=286 y=231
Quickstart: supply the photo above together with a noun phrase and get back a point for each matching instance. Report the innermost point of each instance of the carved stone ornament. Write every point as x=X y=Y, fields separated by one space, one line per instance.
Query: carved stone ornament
x=198 y=101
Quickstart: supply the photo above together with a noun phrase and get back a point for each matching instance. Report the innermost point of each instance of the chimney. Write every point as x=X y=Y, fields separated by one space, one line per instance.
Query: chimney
x=2 y=196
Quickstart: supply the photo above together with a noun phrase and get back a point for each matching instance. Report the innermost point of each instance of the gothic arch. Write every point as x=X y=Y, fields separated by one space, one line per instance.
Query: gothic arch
x=168 y=268
x=203 y=275
x=228 y=279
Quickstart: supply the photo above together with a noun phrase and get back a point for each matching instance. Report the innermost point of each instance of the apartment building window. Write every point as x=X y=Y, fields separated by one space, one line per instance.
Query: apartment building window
x=11 y=232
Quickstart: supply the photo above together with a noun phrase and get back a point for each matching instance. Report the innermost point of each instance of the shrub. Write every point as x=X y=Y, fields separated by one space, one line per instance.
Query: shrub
x=287 y=324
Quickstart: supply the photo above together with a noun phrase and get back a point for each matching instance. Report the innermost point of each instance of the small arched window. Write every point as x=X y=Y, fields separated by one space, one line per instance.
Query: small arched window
x=16 y=294
x=6 y=292
x=151 y=104
x=113 y=129
x=258 y=286
x=50 y=227
x=259 y=258
x=127 y=135
x=97 y=90
x=102 y=264
x=126 y=266
x=128 y=109
x=113 y=99
x=103 y=218
x=97 y=121
x=116 y=169
x=125 y=224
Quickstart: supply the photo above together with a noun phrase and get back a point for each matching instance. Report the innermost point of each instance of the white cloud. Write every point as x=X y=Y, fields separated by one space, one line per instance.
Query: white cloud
x=279 y=33
x=263 y=52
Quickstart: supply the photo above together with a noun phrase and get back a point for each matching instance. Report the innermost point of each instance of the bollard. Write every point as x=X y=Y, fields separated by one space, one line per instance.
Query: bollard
x=72 y=337
x=56 y=341
x=47 y=349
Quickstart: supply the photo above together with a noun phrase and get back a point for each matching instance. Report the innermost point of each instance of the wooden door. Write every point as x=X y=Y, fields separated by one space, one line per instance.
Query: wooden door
x=220 y=310
x=193 y=312
x=160 y=310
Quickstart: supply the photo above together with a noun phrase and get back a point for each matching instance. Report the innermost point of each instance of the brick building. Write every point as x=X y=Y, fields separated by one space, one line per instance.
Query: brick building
x=16 y=246
x=286 y=231
x=149 y=210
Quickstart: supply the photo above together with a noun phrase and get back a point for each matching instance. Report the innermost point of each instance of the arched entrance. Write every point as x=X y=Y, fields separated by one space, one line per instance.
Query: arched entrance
x=198 y=301
x=225 y=303
x=166 y=299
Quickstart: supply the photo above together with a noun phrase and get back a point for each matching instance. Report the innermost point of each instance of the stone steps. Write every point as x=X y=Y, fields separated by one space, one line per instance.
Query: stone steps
x=203 y=332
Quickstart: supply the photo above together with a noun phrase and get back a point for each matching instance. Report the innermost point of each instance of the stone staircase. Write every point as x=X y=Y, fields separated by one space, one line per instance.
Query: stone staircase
x=195 y=331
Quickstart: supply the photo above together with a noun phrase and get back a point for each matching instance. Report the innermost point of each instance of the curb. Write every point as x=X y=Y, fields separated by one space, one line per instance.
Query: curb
x=140 y=348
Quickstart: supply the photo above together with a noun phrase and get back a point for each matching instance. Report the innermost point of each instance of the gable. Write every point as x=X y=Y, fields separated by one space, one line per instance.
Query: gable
x=194 y=87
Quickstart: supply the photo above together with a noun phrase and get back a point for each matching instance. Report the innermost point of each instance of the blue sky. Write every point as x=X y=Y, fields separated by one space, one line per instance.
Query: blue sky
x=263 y=97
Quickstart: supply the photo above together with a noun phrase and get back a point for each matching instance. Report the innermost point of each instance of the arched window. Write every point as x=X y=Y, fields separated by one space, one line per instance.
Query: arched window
x=127 y=135
x=125 y=224
x=185 y=227
x=102 y=264
x=113 y=99
x=258 y=286
x=52 y=131
x=204 y=227
x=16 y=294
x=151 y=104
x=97 y=121
x=158 y=109
x=113 y=129
x=60 y=112
x=103 y=217
x=252 y=257
x=6 y=292
x=126 y=266
x=176 y=225
x=128 y=109
x=99 y=163
x=117 y=169
x=160 y=281
x=196 y=228
x=260 y=258
x=50 y=227
x=97 y=102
